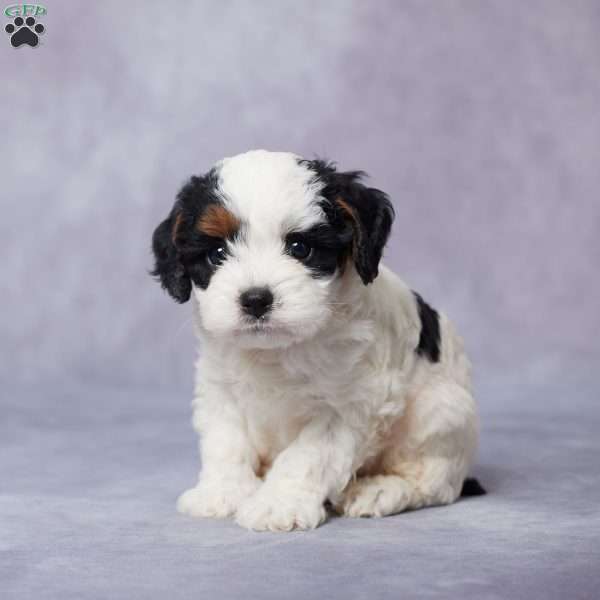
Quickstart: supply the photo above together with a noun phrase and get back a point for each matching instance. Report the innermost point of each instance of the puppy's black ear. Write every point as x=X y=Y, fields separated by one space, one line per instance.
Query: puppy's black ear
x=168 y=269
x=371 y=215
x=367 y=210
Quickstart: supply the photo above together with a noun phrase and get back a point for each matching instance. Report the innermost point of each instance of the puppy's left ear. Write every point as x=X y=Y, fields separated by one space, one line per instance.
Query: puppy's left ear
x=168 y=269
x=371 y=215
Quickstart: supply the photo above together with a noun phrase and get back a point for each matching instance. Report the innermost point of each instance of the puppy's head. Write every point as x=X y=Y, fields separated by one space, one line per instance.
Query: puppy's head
x=263 y=241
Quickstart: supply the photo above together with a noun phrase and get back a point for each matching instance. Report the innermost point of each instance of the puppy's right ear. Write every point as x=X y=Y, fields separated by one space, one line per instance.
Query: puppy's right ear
x=168 y=268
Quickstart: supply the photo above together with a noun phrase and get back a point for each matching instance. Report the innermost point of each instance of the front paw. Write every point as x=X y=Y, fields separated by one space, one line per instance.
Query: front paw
x=218 y=499
x=274 y=509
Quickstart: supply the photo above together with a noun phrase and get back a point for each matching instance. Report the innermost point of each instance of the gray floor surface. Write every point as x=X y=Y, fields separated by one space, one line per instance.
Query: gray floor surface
x=90 y=476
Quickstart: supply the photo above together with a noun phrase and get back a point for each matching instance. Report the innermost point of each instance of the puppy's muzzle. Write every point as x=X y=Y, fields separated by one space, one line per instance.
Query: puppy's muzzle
x=256 y=302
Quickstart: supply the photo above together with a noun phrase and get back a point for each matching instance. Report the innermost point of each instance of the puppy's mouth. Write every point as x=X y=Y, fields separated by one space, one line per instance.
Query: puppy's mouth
x=264 y=327
x=260 y=326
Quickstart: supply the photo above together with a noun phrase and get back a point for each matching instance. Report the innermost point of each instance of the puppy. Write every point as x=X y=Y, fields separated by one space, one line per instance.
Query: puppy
x=323 y=378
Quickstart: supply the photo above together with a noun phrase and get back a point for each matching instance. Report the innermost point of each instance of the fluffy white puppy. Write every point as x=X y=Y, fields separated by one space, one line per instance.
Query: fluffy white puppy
x=323 y=378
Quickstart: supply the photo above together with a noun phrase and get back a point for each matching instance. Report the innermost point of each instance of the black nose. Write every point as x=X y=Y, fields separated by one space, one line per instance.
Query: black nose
x=256 y=301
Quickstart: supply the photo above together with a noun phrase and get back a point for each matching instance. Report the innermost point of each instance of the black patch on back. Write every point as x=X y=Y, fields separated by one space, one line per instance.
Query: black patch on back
x=472 y=487
x=429 y=339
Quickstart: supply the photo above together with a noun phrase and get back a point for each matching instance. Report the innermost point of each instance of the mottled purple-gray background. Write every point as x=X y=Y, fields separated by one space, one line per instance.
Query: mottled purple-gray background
x=480 y=119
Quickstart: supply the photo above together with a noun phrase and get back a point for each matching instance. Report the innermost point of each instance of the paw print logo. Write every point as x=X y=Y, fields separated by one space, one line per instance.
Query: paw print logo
x=24 y=32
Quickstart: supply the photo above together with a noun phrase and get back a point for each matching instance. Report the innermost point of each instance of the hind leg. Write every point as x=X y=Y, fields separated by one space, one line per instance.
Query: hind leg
x=426 y=457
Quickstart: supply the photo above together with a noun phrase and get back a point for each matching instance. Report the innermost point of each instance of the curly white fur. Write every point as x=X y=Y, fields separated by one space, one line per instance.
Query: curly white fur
x=332 y=403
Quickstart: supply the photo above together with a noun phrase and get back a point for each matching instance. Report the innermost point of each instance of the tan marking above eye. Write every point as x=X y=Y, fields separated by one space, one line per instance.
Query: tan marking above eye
x=351 y=213
x=218 y=222
x=176 y=225
x=347 y=208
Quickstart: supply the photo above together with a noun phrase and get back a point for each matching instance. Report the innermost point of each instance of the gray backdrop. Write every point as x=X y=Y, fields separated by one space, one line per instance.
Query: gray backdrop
x=482 y=122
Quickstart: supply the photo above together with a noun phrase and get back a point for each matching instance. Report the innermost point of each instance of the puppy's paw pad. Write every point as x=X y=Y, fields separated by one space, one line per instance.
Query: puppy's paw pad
x=267 y=512
x=375 y=498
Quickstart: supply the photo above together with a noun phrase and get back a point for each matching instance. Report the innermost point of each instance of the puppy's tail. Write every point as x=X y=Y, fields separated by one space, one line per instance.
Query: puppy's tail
x=472 y=487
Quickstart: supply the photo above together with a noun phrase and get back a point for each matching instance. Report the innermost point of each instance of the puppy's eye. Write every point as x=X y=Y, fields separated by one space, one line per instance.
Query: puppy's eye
x=216 y=255
x=299 y=250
